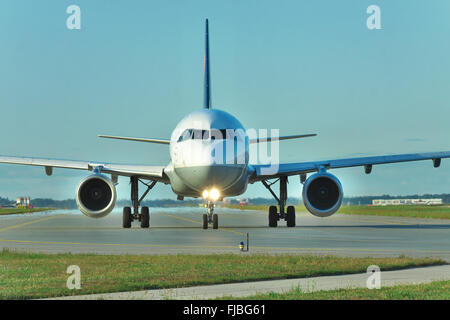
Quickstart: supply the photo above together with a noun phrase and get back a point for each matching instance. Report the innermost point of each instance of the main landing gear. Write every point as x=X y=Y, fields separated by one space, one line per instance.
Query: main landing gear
x=288 y=213
x=144 y=216
x=210 y=217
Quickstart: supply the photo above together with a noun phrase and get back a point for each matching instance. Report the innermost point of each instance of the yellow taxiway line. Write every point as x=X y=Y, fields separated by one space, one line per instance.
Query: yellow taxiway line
x=198 y=222
x=17 y=226
x=218 y=247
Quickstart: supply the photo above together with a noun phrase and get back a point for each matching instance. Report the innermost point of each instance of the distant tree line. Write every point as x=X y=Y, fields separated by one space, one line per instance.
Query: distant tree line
x=5 y=202
x=352 y=201
x=71 y=203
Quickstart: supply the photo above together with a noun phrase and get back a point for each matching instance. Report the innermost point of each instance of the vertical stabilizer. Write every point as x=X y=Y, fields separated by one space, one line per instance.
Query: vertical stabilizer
x=207 y=84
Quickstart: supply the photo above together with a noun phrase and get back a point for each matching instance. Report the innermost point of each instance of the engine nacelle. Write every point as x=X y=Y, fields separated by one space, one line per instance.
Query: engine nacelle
x=322 y=194
x=96 y=196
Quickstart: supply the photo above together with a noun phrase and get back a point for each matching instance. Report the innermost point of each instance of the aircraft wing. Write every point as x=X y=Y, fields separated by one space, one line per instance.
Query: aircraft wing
x=262 y=172
x=141 y=171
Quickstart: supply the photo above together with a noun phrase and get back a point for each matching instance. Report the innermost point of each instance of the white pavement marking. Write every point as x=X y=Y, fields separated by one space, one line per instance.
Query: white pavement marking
x=245 y=289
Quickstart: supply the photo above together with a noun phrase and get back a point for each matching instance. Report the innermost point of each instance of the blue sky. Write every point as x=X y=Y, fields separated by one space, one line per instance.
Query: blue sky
x=136 y=68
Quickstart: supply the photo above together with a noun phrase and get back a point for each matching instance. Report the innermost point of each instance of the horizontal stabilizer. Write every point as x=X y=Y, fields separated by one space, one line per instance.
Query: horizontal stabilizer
x=282 y=138
x=160 y=141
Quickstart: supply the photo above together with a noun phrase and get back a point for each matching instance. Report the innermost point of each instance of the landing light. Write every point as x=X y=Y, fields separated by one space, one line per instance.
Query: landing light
x=214 y=194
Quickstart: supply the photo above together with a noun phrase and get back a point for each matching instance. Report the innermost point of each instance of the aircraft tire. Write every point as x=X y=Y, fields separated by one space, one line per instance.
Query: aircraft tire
x=290 y=216
x=273 y=216
x=145 y=217
x=126 y=217
x=215 y=221
x=205 y=221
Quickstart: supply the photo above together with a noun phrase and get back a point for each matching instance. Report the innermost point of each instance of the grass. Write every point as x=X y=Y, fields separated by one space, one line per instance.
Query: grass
x=6 y=211
x=33 y=275
x=411 y=211
x=437 y=290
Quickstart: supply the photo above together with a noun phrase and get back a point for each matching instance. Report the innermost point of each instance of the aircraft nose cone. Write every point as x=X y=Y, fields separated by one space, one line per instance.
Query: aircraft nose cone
x=202 y=177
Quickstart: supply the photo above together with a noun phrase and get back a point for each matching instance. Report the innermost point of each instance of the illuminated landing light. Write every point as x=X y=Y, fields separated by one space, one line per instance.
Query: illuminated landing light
x=211 y=195
x=214 y=194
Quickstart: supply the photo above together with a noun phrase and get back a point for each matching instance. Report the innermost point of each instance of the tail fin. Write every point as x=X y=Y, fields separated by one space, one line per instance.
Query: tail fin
x=207 y=83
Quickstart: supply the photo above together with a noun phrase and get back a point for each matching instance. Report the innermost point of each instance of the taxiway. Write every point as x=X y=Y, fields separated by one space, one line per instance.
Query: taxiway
x=178 y=231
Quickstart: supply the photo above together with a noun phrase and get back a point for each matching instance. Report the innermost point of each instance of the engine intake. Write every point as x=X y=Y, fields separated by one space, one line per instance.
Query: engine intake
x=322 y=194
x=96 y=196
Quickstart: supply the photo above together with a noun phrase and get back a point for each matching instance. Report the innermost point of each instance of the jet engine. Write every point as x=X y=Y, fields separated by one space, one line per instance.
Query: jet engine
x=96 y=196
x=322 y=194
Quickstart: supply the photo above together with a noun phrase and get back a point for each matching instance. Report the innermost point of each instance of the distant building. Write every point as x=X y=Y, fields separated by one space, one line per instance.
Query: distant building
x=242 y=202
x=396 y=202
x=23 y=202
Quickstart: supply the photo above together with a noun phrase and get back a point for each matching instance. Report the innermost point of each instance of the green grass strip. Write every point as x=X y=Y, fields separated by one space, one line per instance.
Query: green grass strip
x=437 y=290
x=411 y=211
x=6 y=211
x=33 y=275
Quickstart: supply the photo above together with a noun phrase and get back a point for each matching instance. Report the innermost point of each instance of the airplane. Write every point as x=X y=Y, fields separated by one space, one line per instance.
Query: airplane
x=194 y=169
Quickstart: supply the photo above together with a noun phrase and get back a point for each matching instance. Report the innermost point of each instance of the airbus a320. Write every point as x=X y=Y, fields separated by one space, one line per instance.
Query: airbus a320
x=194 y=169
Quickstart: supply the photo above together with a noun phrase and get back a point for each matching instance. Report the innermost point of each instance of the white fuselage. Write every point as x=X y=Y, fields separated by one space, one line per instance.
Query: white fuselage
x=208 y=149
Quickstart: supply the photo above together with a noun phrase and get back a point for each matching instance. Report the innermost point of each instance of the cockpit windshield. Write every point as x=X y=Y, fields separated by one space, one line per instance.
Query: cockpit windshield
x=199 y=134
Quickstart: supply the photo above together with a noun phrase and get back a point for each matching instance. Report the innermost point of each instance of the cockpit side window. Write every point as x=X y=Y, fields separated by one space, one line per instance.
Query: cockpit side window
x=186 y=135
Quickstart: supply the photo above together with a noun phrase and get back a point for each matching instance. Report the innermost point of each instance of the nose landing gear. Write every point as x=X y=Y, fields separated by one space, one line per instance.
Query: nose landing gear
x=210 y=217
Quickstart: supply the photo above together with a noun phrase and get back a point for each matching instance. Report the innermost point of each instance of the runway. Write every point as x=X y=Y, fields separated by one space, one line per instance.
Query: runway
x=178 y=231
